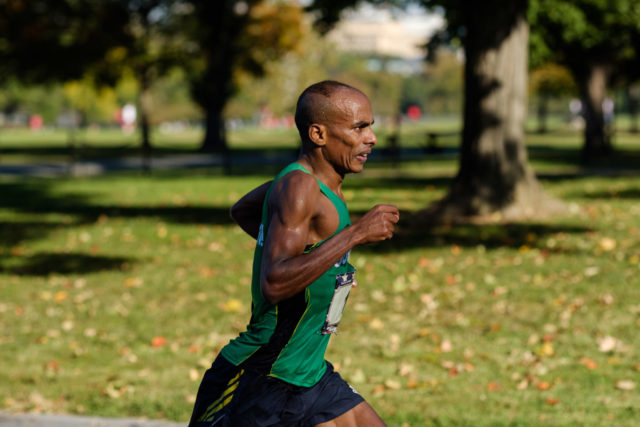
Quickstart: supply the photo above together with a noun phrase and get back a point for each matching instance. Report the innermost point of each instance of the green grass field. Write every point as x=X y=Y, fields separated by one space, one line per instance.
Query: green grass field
x=117 y=291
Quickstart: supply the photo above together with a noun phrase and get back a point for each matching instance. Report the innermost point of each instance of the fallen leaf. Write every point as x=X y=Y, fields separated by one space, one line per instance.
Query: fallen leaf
x=423 y=262
x=607 y=344
x=133 y=282
x=546 y=349
x=591 y=271
x=376 y=323
x=392 y=384
x=500 y=290
x=412 y=384
x=606 y=299
x=543 y=385
x=590 y=364
x=231 y=305
x=625 y=385
x=378 y=389
x=405 y=369
x=207 y=272
x=52 y=366
x=552 y=401
x=60 y=296
x=113 y=392
x=607 y=244
x=493 y=386
x=158 y=342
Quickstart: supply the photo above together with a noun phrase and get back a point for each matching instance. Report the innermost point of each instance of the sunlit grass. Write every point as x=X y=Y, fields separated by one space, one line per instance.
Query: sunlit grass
x=117 y=291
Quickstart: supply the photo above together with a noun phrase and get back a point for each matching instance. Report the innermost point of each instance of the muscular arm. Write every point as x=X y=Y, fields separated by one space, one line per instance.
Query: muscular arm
x=247 y=212
x=286 y=270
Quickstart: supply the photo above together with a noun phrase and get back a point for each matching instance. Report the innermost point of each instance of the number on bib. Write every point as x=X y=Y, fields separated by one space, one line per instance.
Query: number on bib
x=344 y=282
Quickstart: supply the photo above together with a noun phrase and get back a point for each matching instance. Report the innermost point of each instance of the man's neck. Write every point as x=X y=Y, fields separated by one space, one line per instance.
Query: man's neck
x=323 y=170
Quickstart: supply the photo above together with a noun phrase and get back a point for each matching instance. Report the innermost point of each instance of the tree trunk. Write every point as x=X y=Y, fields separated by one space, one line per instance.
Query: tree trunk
x=593 y=86
x=633 y=127
x=632 y=95
x=543 y=112
x=215 y=137
x=494 y=178
x=213 y=88
x=144 y=106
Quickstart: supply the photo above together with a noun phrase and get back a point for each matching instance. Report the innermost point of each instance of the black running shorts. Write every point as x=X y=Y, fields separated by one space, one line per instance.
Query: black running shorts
x=231 y=396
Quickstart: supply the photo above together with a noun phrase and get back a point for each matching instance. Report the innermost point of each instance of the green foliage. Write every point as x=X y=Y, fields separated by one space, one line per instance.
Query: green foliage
x=45 y=100
x=235 y=37
x=552 y=80
x=70 y=34
x=444 y=84
x=284 y=79
x=575 y=33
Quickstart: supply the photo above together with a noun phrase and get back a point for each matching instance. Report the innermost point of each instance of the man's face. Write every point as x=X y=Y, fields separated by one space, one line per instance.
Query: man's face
x=349 y=134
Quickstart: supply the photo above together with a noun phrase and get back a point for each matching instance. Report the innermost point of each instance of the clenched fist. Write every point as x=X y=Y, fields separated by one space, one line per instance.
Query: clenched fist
x=377 y=224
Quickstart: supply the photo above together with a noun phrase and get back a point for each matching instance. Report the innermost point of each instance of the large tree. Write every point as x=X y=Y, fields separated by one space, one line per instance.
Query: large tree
x=232 y=36
x=55 y=40
x=158 y=44
x=599 y=42
x=549 y=81
x=494 y=176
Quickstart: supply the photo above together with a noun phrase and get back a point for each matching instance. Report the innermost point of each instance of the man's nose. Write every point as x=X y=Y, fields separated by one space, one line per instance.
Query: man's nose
x=372 y=138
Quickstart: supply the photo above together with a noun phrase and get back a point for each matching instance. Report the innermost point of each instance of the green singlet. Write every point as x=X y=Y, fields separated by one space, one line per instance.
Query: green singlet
x=288 y=340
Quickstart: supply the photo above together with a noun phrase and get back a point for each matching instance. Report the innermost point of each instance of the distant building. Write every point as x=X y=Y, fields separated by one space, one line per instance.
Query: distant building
x=378 y=32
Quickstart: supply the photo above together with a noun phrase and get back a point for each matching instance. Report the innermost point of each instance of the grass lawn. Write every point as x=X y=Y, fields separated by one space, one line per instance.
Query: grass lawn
x=117 y=291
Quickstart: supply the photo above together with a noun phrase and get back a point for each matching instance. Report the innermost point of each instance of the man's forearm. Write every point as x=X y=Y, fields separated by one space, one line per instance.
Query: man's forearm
x=284 y=278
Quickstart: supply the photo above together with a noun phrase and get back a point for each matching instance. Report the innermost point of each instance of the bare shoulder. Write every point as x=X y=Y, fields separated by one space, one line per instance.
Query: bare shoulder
x=295 y=194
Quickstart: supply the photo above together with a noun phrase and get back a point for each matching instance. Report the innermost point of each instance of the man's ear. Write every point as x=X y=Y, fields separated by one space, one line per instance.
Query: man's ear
x=318 y=134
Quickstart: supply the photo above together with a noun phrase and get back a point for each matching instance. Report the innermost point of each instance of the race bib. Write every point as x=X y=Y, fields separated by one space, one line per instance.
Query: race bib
x=344 y=282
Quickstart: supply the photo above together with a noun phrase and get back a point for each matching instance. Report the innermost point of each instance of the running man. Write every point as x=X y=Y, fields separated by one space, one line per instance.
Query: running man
x=274 y=373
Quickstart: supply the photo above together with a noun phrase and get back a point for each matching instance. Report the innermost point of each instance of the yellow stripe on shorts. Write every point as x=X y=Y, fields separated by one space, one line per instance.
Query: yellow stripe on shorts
x=221 y=402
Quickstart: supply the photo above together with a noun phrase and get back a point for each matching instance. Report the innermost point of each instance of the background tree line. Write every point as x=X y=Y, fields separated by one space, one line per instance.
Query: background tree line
x=216 y=47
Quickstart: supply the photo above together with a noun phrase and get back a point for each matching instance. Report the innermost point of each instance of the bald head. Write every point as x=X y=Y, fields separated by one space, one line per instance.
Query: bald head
x=316 y=105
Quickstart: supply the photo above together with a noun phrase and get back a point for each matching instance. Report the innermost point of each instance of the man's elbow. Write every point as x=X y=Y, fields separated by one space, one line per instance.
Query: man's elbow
x=233 y=212
x=269 y=292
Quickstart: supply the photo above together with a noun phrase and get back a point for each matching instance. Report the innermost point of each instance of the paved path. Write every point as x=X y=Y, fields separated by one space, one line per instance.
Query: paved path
x=47 y=420
x=183 y=161
x=98 y=167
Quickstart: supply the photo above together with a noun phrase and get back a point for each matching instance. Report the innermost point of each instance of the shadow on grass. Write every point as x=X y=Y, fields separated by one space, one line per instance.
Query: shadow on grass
x=400 y=182
x=491 y=236
x=15 y=232
x=38 y=198
x=46 y=263
x=629 y=193
x=619 y=159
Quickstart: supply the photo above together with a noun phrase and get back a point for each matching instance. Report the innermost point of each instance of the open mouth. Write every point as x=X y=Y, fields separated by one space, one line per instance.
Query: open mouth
x=362 y=157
